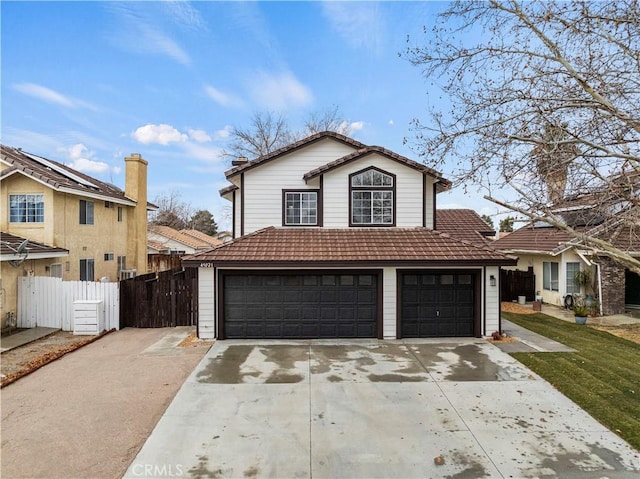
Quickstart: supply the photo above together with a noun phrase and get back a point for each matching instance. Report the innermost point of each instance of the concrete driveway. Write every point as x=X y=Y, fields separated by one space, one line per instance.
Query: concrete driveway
x=367 y=409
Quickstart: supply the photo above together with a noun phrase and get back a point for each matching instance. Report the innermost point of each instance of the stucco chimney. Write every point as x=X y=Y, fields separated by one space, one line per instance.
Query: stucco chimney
x=136 y=190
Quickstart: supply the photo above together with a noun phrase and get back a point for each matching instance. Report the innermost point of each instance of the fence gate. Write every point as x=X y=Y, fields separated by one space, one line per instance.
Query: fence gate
x=165 y=299
x=517 y=283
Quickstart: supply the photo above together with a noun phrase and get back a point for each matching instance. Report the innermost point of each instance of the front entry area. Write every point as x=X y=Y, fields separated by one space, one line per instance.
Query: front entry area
x=299 y=305
x=438 y=304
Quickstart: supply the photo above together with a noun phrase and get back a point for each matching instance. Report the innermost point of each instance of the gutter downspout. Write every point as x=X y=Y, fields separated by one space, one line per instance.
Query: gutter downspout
x=599 y=286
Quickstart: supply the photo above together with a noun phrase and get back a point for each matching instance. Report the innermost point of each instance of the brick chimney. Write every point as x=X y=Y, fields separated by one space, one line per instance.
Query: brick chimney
x=135 y=189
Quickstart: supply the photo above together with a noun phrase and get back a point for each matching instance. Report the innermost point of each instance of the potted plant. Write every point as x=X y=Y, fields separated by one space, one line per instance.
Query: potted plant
x=580 y=313
x=584 y=280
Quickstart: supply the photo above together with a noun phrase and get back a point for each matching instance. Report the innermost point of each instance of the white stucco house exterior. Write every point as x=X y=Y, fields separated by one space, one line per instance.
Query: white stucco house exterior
x=337 y=239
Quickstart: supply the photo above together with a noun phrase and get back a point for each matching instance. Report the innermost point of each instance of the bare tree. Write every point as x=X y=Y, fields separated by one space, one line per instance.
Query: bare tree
x=172 y=211
x=327 y=120
x=542 y=101
x=269 y=131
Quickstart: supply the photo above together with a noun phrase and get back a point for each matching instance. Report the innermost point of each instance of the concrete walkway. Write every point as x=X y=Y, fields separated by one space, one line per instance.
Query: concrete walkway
x=375 y=409
x=528 y=341
x=567 y=315
x=25 y=337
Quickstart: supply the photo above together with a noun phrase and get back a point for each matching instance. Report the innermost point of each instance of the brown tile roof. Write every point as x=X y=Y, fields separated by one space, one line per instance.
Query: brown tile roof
x=348 y=247
x=463 y=224
x=295 y=146
x=59 y=176
x=228 y=189
x=362 y=152
x=9 y=244
x=200 y=236
x=533 y=239
x=176 y=235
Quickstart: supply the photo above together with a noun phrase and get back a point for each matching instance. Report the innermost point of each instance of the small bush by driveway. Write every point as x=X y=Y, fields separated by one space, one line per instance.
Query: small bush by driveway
x=88 y=413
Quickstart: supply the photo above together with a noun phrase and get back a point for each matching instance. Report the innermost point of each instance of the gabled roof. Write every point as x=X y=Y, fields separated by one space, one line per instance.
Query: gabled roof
x=533 y=240
x=228 y=189
x=306 y=247
x=60 y=177
x=200 y=236
x=178 y=237
x=292 y=147
x=9 y=245
x=367 y=150
x=463 y=224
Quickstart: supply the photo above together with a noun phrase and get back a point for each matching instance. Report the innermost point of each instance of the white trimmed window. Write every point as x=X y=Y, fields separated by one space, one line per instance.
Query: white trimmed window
x=27 y=208
x=372 y=198
x=86 y=212
x=572 y=269
x=300 y=208
x=87 y=269
x=550 y=276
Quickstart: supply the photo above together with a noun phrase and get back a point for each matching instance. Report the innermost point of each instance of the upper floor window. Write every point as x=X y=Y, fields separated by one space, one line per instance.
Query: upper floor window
x=120 y=214
x=372 y=198
x=26 y=208
x=300 y=208
x=86 y=212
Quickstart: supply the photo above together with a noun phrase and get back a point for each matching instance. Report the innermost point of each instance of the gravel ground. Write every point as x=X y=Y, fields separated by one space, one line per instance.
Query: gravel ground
x=87 y=414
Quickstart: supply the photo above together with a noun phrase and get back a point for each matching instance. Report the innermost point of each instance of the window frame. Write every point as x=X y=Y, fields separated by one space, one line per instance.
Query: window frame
x=571 y=286
x=53 y=270
x=372 y=189
x=120 y=213
x=89 y=266
x=318 y=208
x=547 y=276
x=87 y=212
x=37 y=213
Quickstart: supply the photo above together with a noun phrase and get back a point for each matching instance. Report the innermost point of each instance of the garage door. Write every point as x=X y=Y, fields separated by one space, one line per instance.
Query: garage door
x=437 y=304
x=297 y=305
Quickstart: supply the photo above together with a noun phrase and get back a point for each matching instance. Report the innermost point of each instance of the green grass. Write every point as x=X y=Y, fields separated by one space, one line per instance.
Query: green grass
x=602 y=377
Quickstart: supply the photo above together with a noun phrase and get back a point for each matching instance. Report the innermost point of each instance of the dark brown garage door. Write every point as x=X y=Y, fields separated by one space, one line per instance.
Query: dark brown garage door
x=437 y=304
x=300 y=305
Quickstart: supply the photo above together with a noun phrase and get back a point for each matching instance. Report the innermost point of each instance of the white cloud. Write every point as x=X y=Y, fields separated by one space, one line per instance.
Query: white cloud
x=207 y=154
x=390 y=122
x=279 y=92
x=80 y=157
x=224 y=133
x=184 y=14
x=155 y=41
x=51 y=96
x=220 y=97
x=356 y=126
x=162 y=134
x=359 y=24
x=200 y=136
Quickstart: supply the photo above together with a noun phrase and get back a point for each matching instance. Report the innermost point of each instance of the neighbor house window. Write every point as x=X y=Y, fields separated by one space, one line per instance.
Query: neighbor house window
x=572 y=269
x=372 y=198
x=119 y=214
x=550 y=276
x=86 y=212
x=86 y=270
x=300 y=208
x=55 y=270
x=26 y=208
x=108 y=256
x=122 y=263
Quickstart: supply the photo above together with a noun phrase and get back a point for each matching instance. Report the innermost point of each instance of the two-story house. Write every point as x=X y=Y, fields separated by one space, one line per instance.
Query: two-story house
x=69 y=225
x=337 y=239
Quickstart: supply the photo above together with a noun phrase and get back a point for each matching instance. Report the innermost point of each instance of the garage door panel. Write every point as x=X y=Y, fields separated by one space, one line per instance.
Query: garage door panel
x=437 y=304
x=300 y=305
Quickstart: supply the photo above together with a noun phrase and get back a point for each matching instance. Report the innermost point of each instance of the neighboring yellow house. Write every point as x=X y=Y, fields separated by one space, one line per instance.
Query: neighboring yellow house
x=85 y=229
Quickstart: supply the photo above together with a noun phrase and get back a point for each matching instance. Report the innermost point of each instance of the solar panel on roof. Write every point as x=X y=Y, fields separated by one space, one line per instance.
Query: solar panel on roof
x=62 y=171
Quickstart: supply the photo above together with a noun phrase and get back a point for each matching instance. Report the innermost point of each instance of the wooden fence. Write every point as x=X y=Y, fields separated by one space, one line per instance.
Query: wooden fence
x=48 y=302
x=158 y=300
x=517 y=283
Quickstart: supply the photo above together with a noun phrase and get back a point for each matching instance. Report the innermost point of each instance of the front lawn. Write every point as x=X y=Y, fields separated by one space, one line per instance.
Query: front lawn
x=602 y=377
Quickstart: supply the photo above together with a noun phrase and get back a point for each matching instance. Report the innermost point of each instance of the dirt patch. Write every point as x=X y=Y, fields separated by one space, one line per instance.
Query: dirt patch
x=192 y=341
x=626 y=331
x=515 y=308
x=23 y=360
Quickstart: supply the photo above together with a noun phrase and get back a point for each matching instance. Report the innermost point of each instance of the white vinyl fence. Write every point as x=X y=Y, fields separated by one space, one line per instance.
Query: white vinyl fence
x=48 y=302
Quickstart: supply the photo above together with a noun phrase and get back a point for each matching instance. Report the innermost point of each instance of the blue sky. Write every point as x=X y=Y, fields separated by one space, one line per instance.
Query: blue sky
x=87 y=83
